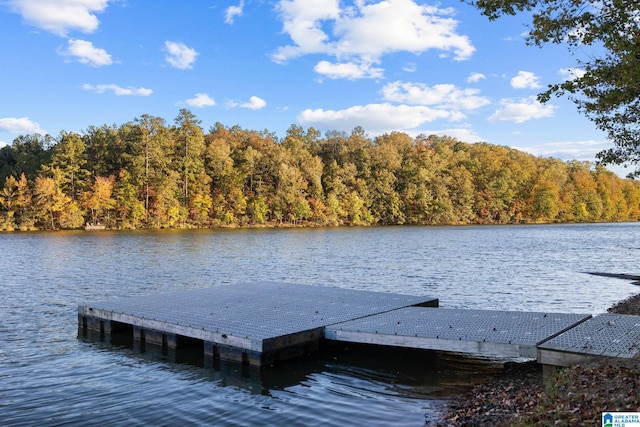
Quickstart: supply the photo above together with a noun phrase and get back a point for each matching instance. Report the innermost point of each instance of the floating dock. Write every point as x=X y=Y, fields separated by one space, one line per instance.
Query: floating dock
x=261 y=323
x=252 y=323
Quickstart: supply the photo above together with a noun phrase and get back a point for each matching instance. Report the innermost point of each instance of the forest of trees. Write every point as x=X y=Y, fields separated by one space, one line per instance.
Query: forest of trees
x=150 y=174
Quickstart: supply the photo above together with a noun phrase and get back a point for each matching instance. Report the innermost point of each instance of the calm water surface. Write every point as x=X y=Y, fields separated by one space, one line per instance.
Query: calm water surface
x=50 y=377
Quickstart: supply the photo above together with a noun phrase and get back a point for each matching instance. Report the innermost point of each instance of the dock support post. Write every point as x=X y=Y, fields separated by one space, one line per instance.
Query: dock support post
x=82 y=325
x=92 y=323
x=105 y=331
x=94 y=327
x=150 y=339
x=106 y=327
x=235 y=354
x=254 y=359
x=211 y=355
x=139 y=339
x=169 y=345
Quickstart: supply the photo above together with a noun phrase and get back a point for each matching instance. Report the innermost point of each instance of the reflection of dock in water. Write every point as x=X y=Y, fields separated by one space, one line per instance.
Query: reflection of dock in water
x=348 y=366
x=261 y=324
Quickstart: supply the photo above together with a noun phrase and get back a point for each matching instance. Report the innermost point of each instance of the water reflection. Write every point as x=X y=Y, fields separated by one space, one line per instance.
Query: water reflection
x=358 y=369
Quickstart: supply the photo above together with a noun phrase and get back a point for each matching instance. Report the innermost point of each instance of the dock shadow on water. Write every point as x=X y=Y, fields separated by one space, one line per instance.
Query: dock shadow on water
x=377 y=380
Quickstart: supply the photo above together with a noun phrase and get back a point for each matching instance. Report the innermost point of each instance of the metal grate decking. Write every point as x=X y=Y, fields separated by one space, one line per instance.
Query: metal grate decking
x=261 y=321
x=496 y=333
x=606 y=335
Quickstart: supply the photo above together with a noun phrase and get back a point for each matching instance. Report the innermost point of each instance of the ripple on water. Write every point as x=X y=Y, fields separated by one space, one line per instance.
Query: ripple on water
x=49 y=377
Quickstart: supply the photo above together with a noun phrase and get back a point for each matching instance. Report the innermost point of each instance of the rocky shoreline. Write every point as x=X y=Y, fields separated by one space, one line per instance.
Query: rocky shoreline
x=574 y=396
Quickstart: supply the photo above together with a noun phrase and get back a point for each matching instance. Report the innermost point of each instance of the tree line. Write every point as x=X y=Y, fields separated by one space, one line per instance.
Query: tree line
x=150 y=174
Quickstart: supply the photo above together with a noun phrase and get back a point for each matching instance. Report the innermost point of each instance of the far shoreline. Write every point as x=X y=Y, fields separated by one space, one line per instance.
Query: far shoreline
x=286 y=226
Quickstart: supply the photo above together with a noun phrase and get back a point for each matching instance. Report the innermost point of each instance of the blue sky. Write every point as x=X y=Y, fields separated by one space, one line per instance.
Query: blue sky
x=386 y=65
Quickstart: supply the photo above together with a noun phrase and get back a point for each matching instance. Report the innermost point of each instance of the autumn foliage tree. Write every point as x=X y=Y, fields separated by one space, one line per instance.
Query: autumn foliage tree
x=149 y=174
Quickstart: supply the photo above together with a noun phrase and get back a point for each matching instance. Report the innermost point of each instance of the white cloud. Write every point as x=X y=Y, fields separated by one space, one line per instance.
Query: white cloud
x=180 y=55
x=461 y=134
x=2 y=144
x=118 y=90
x=366 y=31
x=348 y=70
x=302 y=20
x=232 y=11
x=568 y=150
x=444 y=95
x=522 y=111
x=410 y=67
x=60 y=16
x=201 y=100
x=571 y=73
x=400 y=25
x=20 y=125
x=87 y=53
x=525 y=80
x=255 y=103
x=408 y=106
x=522 y=35
x=581 y=150
x=576 y=36
x=475 y=77
x=375 y=118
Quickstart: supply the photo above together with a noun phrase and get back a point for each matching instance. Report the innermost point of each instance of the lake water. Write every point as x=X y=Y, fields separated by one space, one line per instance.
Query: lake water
x=50 y=377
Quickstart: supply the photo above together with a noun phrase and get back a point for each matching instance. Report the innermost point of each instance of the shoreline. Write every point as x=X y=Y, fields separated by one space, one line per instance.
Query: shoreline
x=519 y=396
x=304 y=224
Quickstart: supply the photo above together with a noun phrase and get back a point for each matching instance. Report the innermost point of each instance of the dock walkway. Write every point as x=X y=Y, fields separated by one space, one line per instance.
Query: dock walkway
x=605 y=335
x=262 y=323
x=481 y=332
